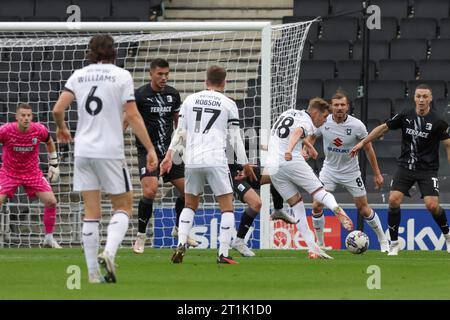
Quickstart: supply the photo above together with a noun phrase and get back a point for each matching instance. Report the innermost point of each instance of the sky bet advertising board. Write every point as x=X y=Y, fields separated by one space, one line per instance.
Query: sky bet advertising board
x=418 y=230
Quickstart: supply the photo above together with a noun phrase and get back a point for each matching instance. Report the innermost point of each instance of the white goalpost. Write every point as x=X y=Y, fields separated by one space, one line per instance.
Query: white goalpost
x=262 y=63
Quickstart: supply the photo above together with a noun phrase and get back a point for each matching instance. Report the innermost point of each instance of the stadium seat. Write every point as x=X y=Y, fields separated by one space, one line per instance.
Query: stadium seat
x=313 y=32
x=23 y=8
x=131 y=8
x=93 y=9
x=434 y=70
x=351 y=69
x=387 y=149
x=418 y=28
x=339 y=29
x=43 y=19
x=347 y=6
x=440 y=49
x=403 y=104
x=309 y=88
x=392 y=89
x=431 y=9
x=397 y=70
x=317 y=69
x=415 y=49
x=331 y=50
x=378 y=50
x=388 y=31
x=377 y=109
x=444 y=28
x=438 y=88
x=349 y=86
x=311 y=8
x=302 y=104
x=441 y=106
x=393 y=8
x=122 y=19
x=393 y=135
x=306 y=54
x=52 y=8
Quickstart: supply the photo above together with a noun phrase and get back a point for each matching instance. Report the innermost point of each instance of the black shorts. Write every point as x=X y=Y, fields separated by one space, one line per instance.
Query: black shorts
x=175 y=173
x=404 y=179
x=240 y=188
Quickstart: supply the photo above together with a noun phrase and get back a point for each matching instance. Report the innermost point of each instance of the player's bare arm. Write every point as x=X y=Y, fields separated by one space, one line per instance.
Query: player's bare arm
x=312 y=140
x=53 y=170
x=293 y=140
x=136 y=122
x=374 y=134
x=309 y=148
x=62 y=131
x=446 y=144
x=371 y=156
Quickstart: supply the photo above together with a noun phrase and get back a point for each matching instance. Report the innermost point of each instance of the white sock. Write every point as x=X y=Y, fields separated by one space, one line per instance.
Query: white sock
x=318 y=224
x=326 y=198
x=91 y=243
x=374 y=222
x=302 y=226
x=117 y=228
x=185 y=225
x=226 y=232
x=48 y=237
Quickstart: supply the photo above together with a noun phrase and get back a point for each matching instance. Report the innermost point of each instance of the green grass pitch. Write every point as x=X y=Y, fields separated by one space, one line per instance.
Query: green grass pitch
x=272 y=274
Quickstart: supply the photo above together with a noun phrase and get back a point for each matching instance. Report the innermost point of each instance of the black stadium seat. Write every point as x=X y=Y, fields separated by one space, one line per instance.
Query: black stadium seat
x=415 y=49
x=418 y=28
x=309 y=88
x=434 y=70
x=431 y=8
x=131 y=8
x=93 y=9
x=344 y=6
x=317 y=69
x=393 y=8
x=22 y=8
x=438 y=87
x=392 y=89
x=349 y=86
x=444 y=27
x=313 y=32
x=340 y=29
x=52 y=8
x=331 y=50
x=378 y=50
x=397 y=70
x=388 y=31
x=403 y=104
x=311 y=8
x=440 y=49
x=351 y=69
x=378 y=109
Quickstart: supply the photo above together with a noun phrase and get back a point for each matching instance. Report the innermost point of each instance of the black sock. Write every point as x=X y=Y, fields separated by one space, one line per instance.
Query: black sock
x=276 y=197
x=441 y=220
x=179 y=206
x=393 y=222
x=246 y=222
x=145 y=211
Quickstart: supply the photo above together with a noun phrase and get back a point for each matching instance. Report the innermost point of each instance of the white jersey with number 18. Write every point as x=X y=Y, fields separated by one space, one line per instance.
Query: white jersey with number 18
x=281 y=132
x=101 y=90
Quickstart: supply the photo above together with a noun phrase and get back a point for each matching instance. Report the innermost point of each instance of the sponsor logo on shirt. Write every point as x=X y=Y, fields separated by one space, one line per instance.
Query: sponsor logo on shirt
x=417 y=133
x=349 y=131
x=34 y=140
x=160 y=109
x=23 y=149
x=338 y=142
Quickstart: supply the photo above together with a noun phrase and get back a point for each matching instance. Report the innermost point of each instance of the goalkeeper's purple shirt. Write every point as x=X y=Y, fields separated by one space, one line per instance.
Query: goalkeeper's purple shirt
x=21 y=150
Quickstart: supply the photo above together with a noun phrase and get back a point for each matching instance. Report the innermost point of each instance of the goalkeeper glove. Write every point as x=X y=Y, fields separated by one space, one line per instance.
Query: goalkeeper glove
x=53 y=170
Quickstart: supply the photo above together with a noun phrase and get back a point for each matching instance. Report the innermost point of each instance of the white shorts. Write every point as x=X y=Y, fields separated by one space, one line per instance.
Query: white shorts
x=288 y=179
x=353 y=183
x=218 y=178
x=108 y=175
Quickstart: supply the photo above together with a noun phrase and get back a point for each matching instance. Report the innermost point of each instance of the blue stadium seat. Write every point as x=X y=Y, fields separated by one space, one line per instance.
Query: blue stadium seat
x=397 y=70
x=378 y=50
x=440 y=49
x=317 y=69
x=311 y=8
x=415 y=49
x=434 y=70
x=392 y=89
x=431 y=8
x=418 y=28
x=340 y=29
x=331 y=50
x=351 y=69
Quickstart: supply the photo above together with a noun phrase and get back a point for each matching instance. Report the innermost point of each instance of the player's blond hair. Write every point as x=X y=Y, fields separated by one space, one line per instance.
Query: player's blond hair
x=318 y=104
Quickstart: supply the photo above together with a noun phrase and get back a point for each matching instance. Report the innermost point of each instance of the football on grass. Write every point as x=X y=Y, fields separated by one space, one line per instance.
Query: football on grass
x=357 y=242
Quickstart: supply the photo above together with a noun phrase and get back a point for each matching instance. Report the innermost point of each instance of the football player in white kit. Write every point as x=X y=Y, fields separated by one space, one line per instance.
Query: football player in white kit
x=289 y=171
x=340 y=133
x=207 y=119
x=103 y=93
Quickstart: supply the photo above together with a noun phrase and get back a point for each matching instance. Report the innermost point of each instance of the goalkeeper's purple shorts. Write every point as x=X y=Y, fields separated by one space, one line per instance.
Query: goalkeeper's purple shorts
x=31 y=185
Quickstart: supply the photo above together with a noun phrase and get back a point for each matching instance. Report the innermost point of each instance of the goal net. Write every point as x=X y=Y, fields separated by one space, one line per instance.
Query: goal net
x=262 y=66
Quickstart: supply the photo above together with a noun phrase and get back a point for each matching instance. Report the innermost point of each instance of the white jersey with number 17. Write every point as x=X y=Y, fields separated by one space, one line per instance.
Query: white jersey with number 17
x=206 y=117
x=101 y=90
x=281 y=132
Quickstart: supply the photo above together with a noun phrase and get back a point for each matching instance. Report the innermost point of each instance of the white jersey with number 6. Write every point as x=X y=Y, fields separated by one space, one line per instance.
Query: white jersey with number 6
x=281 y=132
x=101 y=90
x=206 y=117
